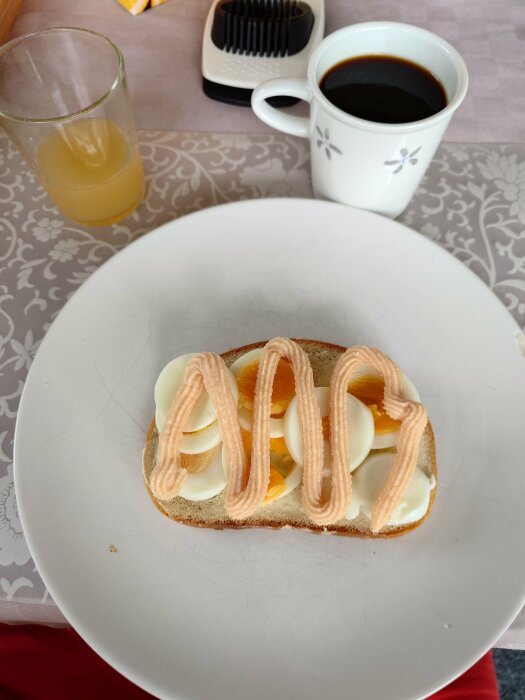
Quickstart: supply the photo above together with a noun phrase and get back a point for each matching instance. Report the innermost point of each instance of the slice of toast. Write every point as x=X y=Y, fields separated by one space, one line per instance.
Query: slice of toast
x=286 y=511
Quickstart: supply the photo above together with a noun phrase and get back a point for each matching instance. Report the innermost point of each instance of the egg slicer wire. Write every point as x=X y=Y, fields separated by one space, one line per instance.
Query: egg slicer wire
x=246 y=42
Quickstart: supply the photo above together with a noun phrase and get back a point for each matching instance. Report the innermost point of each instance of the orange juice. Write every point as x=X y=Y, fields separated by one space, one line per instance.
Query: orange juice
x=91 y=172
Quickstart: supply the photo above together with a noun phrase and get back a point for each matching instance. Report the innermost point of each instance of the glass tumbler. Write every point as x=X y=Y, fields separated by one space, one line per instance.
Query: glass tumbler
x=64 y=102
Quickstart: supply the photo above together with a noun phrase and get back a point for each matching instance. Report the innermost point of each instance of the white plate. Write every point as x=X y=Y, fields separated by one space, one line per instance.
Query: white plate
x=205 y=615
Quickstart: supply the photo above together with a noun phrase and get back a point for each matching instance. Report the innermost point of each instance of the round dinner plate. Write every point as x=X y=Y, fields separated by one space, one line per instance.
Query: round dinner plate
x=227 y=615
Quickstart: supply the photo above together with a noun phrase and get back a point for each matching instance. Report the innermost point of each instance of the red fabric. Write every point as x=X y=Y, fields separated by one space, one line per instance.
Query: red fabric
x=57 y=664
x=478 y=683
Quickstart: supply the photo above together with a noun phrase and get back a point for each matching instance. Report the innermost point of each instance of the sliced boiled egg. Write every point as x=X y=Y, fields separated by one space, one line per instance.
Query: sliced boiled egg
x=201 y=440
x=369 y=387
x=245 y=370
x=369 y=479
x=360 y=427
x=326 y=487
x=166 y=388
x=205 y=478
x=285 y=474
x=246 y=421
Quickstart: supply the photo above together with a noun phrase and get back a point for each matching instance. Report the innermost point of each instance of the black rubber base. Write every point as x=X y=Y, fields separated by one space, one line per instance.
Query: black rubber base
x=240 y=97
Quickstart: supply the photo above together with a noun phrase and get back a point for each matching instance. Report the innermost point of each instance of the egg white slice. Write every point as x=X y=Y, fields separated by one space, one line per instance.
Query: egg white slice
x=369 y=479
x=201 y=440
x=206 y=484
x=355 y=505
x=360 y=427
x=246 y=421
x=293 y=477
x=410 y=393
x=245 y=360
x=245 y=416
x=353 y=510
x=166 y=387
x=291 y=480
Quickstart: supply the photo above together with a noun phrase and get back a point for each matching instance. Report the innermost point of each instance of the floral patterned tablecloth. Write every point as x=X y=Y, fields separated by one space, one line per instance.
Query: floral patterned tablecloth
x=472 y=202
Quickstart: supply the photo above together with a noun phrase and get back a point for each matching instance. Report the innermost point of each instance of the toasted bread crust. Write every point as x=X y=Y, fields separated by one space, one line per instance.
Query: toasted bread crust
x=343 y=528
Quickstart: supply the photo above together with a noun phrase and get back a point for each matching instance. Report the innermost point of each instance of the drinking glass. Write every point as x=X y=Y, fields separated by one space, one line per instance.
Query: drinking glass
x=65 y=103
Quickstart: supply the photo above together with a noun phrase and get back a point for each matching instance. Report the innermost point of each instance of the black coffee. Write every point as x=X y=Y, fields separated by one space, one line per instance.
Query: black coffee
x=383 y=89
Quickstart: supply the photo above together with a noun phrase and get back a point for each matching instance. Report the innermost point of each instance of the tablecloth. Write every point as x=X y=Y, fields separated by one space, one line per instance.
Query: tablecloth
x=471 y=202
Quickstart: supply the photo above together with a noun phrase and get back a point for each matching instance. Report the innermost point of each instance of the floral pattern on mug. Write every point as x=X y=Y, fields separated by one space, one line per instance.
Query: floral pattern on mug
x=405 y=157
x=324 y=142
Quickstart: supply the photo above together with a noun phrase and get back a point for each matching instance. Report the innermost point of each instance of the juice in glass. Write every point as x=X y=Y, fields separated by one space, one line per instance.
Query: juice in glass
x=91 y=172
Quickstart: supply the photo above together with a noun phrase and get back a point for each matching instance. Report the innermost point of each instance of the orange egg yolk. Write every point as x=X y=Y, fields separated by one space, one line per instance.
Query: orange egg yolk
x=276 y=486
x=276 y=483
x=247 y=442
x=370 y=390
x=326 y=427
x=196 y=432
x=195 y=463
x=283 y=386
x=278 y=446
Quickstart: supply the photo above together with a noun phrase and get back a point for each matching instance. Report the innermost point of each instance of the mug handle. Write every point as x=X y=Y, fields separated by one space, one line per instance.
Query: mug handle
x=289 y=87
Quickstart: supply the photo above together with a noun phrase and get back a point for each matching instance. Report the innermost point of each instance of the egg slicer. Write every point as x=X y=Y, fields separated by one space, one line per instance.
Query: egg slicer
x=249 y=41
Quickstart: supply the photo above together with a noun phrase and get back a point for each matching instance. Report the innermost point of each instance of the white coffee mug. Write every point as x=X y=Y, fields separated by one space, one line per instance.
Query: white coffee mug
x=367 y=164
